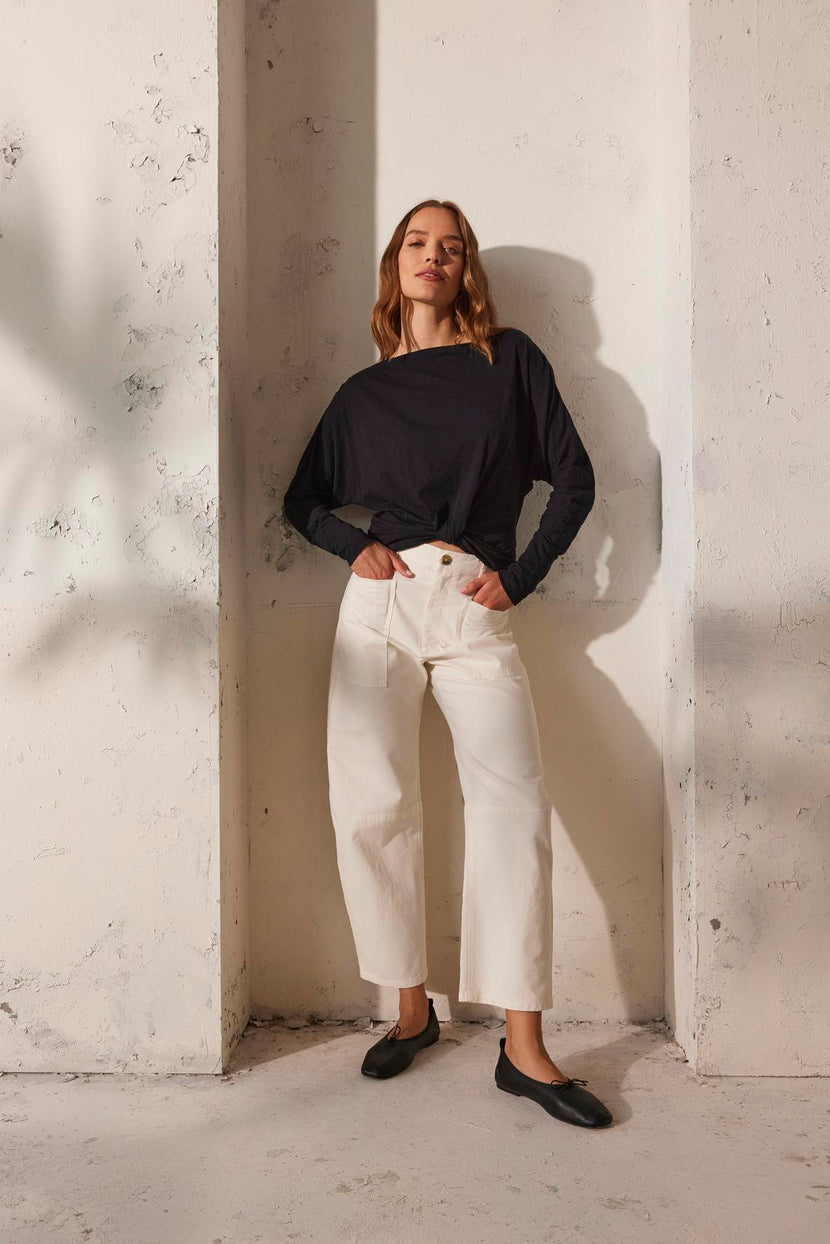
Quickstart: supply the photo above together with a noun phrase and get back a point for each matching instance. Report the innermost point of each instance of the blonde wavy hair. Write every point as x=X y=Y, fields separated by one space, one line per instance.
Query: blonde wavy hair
x=474 y=312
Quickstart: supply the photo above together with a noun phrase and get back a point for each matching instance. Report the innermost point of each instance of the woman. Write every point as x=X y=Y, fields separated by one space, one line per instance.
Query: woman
x=442 y=438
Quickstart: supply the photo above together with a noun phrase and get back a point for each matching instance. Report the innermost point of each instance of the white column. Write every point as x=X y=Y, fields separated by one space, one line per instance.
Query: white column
x=747 y=792
x=110 y=532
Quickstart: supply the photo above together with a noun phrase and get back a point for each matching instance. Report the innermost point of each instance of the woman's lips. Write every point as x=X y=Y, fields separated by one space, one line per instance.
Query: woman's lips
x=430 y=276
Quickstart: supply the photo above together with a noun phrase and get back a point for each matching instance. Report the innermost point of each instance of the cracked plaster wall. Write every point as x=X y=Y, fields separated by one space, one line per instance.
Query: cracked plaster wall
x=115 y=676
x=110 y=528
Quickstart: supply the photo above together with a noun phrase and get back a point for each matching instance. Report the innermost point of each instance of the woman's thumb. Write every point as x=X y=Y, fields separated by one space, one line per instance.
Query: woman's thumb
x=401 y=565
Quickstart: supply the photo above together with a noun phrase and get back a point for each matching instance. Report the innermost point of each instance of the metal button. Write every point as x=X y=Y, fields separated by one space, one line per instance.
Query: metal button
x=446 y=558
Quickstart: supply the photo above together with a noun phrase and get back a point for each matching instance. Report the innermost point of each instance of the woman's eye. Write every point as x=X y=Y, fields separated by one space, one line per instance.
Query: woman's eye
x=452 y=250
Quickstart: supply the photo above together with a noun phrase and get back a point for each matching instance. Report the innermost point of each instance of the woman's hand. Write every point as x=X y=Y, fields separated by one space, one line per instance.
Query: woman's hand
x=376 y=561
x=486 y=589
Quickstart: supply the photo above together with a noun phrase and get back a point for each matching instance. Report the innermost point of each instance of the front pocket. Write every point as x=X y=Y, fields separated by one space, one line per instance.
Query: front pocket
x=370 y=601
x=480 y=615
x=362 y=638
x=478 y=618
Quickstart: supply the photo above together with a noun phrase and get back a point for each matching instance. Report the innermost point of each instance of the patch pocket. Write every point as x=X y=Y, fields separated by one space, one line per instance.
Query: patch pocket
x=362 y=638
x=477 y=619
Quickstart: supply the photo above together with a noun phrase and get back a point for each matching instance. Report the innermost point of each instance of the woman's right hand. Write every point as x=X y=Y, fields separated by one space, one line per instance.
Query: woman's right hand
x=376 y=561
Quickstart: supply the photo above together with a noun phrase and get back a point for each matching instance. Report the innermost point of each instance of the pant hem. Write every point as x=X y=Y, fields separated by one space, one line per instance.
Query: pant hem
x=376 y=979
x=515 y=1004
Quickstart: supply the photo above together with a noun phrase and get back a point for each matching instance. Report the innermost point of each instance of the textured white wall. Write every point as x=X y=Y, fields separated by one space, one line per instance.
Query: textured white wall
x=541 y=128
x=759 y=355
x=110 y=704
x=646 y=190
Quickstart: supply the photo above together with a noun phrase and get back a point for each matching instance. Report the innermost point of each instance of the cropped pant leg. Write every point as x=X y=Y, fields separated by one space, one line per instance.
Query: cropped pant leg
x=392 y=637
x=373 y=758
x=506 y=903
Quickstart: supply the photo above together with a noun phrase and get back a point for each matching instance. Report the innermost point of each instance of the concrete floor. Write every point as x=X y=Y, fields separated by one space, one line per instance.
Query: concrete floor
x=295 y=1144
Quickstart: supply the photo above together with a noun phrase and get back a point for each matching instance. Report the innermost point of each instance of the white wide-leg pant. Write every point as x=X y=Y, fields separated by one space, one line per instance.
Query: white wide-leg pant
x=392 y=637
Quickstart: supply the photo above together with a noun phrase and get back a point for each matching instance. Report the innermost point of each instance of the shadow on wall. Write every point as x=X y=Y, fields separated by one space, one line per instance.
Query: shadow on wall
x=108 y=372
x=602 y=766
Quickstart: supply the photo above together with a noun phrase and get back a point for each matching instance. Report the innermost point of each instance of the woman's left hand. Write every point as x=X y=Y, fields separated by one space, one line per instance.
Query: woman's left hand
x=486 y=589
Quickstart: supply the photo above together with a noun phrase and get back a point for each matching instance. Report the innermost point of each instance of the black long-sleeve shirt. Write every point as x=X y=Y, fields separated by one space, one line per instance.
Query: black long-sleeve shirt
x=444 y=445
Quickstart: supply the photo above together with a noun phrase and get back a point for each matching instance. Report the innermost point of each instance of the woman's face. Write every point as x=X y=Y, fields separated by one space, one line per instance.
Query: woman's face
x=434 y=245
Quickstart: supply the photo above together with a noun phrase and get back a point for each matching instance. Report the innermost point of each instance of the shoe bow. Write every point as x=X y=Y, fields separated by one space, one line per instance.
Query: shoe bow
x=567 y=1083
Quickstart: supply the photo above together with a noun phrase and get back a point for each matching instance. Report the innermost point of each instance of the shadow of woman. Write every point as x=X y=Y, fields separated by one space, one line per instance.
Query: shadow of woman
x=594 y=681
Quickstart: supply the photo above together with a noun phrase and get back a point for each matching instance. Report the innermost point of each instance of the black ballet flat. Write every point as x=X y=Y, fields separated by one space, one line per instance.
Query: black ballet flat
x=564 y=1099
x=393 y=1053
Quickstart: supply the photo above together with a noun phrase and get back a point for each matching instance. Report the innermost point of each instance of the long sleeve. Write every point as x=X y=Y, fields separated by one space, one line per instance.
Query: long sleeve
x=320 y=485
x=559 y=458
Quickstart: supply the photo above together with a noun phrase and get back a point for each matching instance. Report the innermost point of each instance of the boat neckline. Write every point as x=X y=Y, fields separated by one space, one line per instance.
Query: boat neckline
x=455 y=345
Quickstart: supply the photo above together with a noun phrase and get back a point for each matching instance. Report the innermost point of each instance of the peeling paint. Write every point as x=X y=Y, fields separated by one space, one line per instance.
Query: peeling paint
x=12 y=148
x=269 y=13
x=163 y=148
x=141 y=391
x=166 y=279
x=69 y=523
x=198 y=149
x=174 y=541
